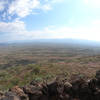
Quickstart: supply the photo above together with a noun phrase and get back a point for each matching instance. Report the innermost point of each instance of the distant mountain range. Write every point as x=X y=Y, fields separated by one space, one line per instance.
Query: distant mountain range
x=68 y=41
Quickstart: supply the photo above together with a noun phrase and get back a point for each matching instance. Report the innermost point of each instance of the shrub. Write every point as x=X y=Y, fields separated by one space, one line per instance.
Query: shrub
x=38 y=79
x=35 y=70
x=15 y=81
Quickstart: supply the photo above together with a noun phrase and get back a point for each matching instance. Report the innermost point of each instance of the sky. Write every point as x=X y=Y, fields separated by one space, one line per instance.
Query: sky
x=49 y=19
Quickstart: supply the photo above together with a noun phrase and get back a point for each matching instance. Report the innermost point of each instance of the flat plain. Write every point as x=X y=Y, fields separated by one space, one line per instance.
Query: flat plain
x=20 y=63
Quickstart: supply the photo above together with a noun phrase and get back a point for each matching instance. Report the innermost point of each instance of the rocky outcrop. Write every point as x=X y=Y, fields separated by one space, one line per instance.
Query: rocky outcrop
x=76 y=89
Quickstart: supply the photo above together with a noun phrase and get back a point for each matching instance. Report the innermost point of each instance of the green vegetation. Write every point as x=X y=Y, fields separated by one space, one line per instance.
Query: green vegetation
x=22 y=63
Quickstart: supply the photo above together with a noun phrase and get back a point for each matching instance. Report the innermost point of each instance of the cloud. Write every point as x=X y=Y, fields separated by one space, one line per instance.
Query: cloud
x=96 y=23
x=12 y=27
x=93 y=3
x=46 y=7
x=22 y=8
x=16 y=30
x=11 y=30
x=92 y=33
x=56 y=1
x=2 y=4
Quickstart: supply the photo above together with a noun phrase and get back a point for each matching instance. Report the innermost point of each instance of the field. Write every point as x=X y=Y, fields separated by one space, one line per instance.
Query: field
x=20 y=63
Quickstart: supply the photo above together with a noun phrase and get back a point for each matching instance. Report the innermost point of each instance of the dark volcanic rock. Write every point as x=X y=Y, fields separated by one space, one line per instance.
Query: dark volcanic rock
x=10 y=96
x=77 y=89
x=98 y=75
x=33 y=92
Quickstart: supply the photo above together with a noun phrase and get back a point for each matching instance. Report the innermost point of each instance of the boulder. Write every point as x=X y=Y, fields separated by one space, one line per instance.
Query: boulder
x=1 y=94
x=67 y=87
x=98 y=75
x=10 y=96
x=33 y=92
x=19 y=92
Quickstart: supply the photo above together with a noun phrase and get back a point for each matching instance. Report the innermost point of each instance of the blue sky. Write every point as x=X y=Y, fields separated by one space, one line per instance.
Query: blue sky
x=49 y=19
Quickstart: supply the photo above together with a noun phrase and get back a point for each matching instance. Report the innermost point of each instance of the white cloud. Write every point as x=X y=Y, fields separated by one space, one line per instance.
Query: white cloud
x=46 y=7
x=96 y=23
x=2 y=4
x=93 y=3
x=12 y=27
x=23 y=8
x=92 y=33
x=17 y=31
x=11 y=31
x=56 y=1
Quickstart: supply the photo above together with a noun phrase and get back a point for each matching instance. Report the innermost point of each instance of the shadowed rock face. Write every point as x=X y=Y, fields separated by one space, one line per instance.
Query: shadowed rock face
x=77 y=89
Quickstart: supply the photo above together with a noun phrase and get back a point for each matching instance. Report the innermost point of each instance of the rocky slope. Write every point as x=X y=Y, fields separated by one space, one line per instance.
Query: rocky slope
x=76 y=89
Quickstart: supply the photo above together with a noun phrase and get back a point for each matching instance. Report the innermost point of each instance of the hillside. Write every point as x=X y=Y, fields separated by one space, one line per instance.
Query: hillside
x=78 y=88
